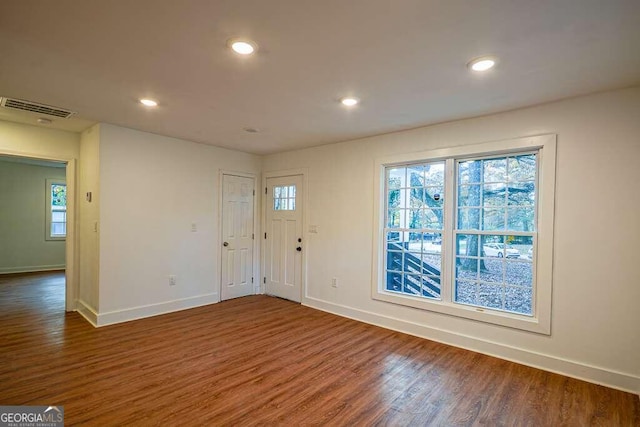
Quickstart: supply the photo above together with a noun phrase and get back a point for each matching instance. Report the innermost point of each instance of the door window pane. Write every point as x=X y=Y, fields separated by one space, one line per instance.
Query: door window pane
x=284 y=198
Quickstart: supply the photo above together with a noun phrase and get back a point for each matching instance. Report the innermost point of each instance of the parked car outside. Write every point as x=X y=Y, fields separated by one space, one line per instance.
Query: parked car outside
x=498 y=250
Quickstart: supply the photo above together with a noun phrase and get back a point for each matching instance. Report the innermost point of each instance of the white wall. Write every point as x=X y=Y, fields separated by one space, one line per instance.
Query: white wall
x=23 y=244
x=89 y=181
x=151 y=189
x=595 y=318
x=26 y=140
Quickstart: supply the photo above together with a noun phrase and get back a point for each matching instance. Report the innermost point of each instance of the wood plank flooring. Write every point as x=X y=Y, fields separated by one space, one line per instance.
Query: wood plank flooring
x=264 y=361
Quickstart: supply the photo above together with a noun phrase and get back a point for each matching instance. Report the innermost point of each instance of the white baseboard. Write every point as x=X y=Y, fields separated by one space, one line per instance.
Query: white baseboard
x=31 y=268
x=593 y=374
x=140 y=312
x=87 y=312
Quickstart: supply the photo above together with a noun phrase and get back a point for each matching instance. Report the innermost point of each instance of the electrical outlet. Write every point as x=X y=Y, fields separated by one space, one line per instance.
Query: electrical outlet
x=334 y=283
x=194 y=227
x=172 y=280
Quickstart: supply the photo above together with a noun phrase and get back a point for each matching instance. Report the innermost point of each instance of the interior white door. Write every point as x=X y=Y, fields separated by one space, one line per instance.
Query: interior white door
x=284 y=245
x=237 y=236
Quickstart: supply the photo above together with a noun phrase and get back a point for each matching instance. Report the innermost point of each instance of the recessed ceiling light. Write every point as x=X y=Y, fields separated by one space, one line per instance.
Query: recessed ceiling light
x=44 y=121
x=482 y=64
x=243 y=47
x=350 y=101
x=148 y=102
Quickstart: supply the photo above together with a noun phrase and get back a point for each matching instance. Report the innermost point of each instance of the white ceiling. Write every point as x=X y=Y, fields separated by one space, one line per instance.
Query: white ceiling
x=405 y=59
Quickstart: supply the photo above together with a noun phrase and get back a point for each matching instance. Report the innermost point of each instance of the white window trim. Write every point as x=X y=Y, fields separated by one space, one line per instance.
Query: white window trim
x=540 y=321
x=48 y=210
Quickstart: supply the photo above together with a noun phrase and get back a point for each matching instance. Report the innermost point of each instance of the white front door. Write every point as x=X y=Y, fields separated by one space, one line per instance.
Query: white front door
x=237 y=236
x=284 y=244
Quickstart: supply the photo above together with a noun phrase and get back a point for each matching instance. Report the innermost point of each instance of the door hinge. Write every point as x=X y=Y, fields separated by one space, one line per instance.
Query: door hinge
x=254 y=192
x=265 y=235
x=265 y=190
x=264 y=280
x=252 y=280
x=253 y=236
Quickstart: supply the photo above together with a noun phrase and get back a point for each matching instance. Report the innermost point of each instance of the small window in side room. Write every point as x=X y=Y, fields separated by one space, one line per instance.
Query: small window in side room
x=56 y=214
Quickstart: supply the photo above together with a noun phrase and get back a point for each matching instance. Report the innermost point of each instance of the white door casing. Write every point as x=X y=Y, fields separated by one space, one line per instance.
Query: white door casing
x=237 y=236
x=283 y=239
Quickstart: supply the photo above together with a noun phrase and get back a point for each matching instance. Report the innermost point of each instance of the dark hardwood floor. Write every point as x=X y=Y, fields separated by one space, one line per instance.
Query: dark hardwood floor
x=261 y=360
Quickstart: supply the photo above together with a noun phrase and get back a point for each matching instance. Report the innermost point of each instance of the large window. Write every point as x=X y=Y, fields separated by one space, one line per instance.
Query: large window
x=468 y=231
x=56 y=215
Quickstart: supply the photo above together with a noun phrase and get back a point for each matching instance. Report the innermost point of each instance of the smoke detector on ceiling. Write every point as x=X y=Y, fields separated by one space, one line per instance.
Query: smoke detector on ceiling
x=34 y=107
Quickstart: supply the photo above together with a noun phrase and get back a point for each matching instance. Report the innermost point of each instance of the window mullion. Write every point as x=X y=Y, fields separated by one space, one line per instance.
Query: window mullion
x=448 y=244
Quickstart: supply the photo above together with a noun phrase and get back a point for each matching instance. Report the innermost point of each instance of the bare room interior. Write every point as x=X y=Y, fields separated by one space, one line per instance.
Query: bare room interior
x=321 y=212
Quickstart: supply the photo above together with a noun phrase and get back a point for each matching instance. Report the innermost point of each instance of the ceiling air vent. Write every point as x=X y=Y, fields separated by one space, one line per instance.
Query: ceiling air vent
x=34 y=107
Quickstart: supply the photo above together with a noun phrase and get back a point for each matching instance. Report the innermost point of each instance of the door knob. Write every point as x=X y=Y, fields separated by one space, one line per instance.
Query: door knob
x=299 y=249
x=225 y=244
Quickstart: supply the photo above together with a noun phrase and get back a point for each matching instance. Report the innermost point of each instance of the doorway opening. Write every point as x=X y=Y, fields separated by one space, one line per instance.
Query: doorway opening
x=37 y=225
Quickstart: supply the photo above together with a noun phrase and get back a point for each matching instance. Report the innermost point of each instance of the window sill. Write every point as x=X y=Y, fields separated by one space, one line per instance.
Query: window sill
x=510 y=320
